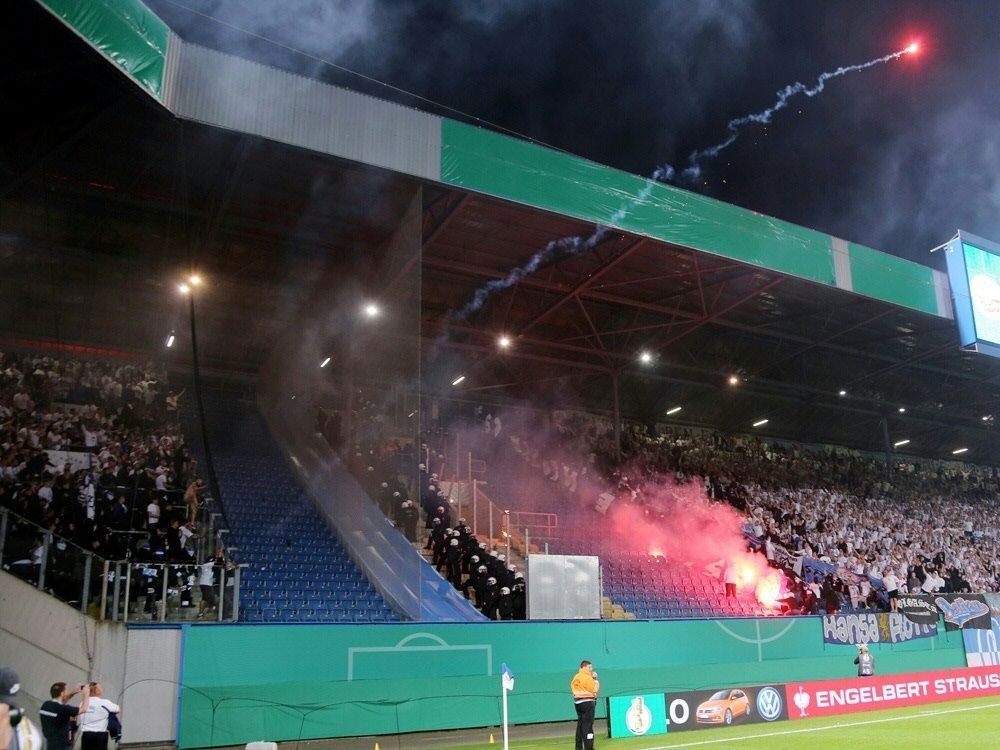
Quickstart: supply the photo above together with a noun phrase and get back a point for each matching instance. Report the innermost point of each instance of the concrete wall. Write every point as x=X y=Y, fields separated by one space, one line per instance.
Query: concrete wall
x=47 y=641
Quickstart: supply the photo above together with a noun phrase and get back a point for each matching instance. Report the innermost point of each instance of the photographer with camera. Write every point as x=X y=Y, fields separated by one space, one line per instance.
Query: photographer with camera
x=56 y=714
x=865 y=662
x=16 y=731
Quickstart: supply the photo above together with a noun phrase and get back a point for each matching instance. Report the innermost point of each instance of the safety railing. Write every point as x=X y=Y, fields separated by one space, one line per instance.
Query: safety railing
x=170 y=592
x=538 y=524
x=126 y=590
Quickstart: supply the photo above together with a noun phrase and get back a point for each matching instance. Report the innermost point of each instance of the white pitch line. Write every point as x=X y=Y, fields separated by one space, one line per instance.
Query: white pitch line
x=824 y=729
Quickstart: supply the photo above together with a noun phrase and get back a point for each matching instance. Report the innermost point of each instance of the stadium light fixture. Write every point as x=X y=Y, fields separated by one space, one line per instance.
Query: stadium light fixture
x=958 y=450
x=371 y=310
x=458 y=380
x=645 y=358
x=902 y=410
x=898 y=443
x=987 y=417
x=673 y=411
x=325 y=362
x=194 y=280
x=504 y=342
x=842 y=392
x=734 y=380
x=170 y=340
x=760 y=422
x=183 y=288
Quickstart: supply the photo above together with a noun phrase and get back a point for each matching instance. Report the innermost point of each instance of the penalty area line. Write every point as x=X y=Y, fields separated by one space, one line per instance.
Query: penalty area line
x=843 y=725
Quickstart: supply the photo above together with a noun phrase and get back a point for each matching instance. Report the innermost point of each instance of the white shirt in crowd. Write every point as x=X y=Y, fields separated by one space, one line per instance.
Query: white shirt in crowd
x=206 y=576
x=95 y=718
x=891 y=582
x=185 y=534
x=152 y=514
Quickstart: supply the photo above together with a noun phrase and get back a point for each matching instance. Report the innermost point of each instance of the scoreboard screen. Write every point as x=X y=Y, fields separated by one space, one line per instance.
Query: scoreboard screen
x=974 y=275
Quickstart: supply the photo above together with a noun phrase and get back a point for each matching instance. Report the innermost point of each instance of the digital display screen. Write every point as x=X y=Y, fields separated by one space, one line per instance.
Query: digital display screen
x=974 y=276
x=983 y=269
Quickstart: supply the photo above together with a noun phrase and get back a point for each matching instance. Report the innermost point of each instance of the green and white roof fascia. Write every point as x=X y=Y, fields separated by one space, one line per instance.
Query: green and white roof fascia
x=222 y=90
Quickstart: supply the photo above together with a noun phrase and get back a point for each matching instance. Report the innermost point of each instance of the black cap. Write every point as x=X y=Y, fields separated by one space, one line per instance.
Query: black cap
x=10 y=684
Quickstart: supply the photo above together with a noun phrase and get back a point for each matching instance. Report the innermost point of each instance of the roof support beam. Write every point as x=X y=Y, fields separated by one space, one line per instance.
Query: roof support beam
x=716 y=314
x=450 y=213
x=612 y=299
x=623 y=254
x=829 y=339
x=513 y=353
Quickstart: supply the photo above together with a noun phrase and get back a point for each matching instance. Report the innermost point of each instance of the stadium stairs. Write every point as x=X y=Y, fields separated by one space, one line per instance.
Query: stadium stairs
x=299 y=571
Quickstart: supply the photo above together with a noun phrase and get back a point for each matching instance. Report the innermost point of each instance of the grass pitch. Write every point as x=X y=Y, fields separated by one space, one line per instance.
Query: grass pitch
x=968 y=724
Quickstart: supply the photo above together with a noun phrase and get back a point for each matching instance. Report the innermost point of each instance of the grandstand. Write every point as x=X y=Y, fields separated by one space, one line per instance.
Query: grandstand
x=298 y=569
x=323 y=239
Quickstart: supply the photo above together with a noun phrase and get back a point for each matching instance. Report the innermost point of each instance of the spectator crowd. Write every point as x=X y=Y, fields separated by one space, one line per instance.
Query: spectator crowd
x=849 y=527
x=91 y=451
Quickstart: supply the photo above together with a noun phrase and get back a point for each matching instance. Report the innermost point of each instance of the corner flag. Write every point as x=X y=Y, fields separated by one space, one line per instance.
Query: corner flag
x=507 y=677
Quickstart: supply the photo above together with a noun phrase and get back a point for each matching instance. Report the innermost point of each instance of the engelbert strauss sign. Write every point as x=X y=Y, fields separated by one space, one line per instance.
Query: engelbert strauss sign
x=872 y=627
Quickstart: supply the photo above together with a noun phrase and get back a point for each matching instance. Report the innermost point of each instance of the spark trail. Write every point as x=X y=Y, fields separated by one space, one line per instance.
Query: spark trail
x=578 y=244
x=693 y=170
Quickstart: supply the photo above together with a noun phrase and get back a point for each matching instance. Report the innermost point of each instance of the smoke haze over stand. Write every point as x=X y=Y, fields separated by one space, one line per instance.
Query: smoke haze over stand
x=617 y=84
x=676 y=521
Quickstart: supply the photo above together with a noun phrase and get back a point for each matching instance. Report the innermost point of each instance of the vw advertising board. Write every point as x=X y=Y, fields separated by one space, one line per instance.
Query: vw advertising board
x=704 y=709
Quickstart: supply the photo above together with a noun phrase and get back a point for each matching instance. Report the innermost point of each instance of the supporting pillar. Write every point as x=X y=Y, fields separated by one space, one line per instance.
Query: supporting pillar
x=887 y=446
x=617 y=415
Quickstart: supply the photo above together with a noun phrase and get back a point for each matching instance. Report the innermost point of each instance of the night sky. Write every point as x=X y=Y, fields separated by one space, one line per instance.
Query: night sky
x=896 y=157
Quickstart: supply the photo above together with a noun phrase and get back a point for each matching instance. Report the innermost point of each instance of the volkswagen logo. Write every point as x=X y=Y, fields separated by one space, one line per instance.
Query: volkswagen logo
x=769 y=704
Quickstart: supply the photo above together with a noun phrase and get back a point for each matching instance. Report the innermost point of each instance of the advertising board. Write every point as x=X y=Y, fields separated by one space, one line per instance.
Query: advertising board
x=831 y=697
x=637 y=715
x=704 y=709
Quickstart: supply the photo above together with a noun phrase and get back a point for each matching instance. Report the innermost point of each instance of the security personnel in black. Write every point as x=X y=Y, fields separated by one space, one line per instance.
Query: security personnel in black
x=408 y=518
x=488 y=605
x=506 y=577
x=436 y=530
x=505 y=604
x=454 y=554
x=470 y=548
x=398 y=489
x=492 y=564
x=443 y=513
x=472 y=582
x=519 y=601
x=384 y=497
x=429 y=502
x=440 y=542
x=482 y=574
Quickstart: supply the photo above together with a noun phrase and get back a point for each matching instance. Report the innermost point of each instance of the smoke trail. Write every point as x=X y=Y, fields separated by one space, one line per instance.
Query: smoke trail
x=577 y=244
x=565 y=247
x=693 y=170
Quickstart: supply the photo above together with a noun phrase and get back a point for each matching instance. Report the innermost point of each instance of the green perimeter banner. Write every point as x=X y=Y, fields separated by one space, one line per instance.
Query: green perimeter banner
x=477 y=159
x=287 y=682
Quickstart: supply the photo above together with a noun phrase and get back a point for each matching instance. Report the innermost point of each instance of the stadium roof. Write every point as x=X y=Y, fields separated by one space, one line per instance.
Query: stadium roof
x=708 y=289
